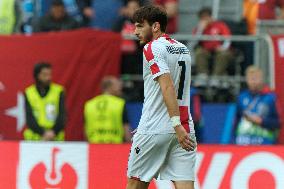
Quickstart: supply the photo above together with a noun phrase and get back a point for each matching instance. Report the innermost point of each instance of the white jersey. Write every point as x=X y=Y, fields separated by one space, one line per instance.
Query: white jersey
x=165 y=55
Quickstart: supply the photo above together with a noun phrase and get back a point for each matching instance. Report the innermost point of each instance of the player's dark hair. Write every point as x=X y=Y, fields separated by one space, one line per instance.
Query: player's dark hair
x=38 y=67
x=205 y=11
x=151 y=14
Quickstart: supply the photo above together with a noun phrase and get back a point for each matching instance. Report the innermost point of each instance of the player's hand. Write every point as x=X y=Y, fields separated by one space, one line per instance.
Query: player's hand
x=184 y=140
x=88 y=12
x=254 y=118
x=48 y=135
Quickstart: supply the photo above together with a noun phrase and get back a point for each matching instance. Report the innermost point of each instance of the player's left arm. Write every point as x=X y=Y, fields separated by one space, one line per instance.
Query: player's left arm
x=169 y=94
x=170 y=98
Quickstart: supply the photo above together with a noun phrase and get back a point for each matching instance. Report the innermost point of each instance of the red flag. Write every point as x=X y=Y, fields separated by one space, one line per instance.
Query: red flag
x=79 y=58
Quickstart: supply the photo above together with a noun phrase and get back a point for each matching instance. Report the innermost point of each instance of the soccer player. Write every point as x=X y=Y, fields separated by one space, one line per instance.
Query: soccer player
x=164 y=144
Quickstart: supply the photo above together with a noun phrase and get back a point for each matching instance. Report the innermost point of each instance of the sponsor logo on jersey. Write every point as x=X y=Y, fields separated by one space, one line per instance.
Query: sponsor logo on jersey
x=177 y=50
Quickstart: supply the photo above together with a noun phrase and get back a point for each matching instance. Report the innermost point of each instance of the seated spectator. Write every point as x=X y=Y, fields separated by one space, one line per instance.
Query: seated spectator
x=105 y=115
x=125 y=25
x=267 y=9
x=171 y=7
x=257 y=120
x=261 y=10
x=44 y=105
x=10 y=15
x=80 y=10
x=207 y=50
x=56 y=20
x=31 y=11
x=86 y=10
x=130 y=53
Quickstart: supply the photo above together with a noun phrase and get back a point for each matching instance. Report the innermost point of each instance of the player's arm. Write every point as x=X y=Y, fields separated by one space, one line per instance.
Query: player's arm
x=170 y=98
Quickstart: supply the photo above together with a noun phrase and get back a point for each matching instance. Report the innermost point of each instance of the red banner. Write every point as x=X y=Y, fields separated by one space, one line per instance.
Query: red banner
x=218 y=167
x=278 y=44
x=9 y=159
x=79 y=58
x=28 y=165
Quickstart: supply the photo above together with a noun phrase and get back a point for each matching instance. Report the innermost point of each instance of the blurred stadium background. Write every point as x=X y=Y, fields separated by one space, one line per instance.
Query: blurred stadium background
x=97 y=46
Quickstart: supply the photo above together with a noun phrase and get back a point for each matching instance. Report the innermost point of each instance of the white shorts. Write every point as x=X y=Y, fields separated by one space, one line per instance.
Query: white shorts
x=160 y=155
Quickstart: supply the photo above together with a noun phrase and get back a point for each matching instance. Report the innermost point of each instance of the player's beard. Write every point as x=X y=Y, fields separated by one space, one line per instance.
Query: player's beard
x=147 y=38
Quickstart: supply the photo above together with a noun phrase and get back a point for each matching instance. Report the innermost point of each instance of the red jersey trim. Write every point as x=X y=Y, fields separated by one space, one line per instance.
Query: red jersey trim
x=155 y=68
x=149 y=53
x=169 y=38
x=184 y=117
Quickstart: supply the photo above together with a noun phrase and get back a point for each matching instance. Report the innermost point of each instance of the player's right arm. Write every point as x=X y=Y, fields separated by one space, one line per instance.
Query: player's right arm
x=170 y=98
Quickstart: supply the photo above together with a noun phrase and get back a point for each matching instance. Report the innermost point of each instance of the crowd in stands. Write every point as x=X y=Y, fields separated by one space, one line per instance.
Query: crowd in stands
x=21 y=16
x=257 y=119
x=257 y=115
x=28 y=16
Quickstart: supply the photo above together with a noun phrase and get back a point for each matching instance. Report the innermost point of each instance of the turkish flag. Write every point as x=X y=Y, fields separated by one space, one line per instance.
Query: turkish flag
x=79 y=58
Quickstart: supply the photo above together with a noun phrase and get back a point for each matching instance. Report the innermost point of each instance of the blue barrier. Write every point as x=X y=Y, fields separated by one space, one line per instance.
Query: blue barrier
x=217 y=121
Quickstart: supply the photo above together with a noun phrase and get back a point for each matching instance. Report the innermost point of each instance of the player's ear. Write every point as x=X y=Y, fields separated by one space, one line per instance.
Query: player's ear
x=156 y=27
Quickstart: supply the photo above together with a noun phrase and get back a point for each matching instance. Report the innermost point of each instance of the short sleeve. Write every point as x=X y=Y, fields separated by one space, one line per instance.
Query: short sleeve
x=155 y=54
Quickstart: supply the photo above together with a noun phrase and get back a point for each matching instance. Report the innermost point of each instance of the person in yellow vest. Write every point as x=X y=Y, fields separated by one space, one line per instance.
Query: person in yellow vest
x=45 y=111
x=105 y=115
x=10 y=16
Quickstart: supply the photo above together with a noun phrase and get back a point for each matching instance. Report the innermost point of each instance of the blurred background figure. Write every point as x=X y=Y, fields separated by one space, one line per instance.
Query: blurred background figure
x=254 y=10
x=267 y=9
x=44 y=105
x=31 y=12
x=131 y=55
x=80 y=10
x=250 y=14
x=87 y=11
x=124 y=21
x=56 y=20
x=216 y=52
x=105 y=115
x=106 y=13
x=171 y=7
x=10 y=16
x=257 y=120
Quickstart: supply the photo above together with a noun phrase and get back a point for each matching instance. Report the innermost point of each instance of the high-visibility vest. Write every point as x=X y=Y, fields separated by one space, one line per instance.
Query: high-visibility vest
x=7 y=16
x=104 y=119
x=45 y=109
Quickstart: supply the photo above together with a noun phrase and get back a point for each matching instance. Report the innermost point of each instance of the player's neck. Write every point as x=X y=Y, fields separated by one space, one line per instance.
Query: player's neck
x=158 y=35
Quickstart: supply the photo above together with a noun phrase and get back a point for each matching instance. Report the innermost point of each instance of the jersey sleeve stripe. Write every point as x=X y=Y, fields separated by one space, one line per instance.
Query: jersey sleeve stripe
x=184 y=116
x=154 y=68
x=148 y=53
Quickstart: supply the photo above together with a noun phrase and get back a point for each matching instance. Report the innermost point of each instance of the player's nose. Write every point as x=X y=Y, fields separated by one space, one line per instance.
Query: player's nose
x=135 y=32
